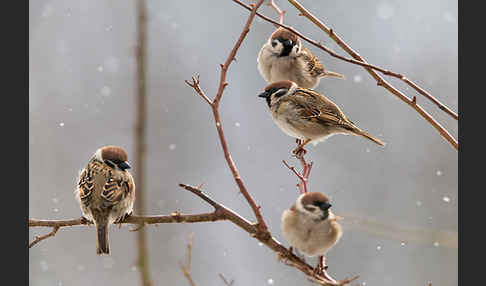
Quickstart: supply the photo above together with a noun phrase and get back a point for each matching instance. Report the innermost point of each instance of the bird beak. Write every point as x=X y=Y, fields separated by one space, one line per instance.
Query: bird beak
x=264 y=94
x=325 y=206
x=124 y=165
x=288 y=43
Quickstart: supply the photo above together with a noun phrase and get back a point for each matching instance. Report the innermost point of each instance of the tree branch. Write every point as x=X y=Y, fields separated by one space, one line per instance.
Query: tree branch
x=140 y=138
x=371 y=69
x=220 y=213
x=186 y=269
x=279 y=12
x=215 y=108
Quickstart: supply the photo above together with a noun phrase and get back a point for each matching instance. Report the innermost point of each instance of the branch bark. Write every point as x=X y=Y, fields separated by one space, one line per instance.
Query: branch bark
x=214 y=104
x=220 y=212
x=358 y=60
x=140 y=138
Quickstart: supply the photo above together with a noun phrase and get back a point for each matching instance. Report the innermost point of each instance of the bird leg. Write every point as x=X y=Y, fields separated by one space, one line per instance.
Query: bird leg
x=321 y=265
x=299 y=150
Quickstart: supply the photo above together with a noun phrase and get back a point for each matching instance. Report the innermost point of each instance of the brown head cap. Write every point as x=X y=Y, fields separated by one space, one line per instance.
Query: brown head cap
x=312 y=198
x=285 y=34
x=114 y=153
x=287 y=84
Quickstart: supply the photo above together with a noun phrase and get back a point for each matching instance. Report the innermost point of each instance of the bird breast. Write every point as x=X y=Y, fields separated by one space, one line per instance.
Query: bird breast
x=309 y=236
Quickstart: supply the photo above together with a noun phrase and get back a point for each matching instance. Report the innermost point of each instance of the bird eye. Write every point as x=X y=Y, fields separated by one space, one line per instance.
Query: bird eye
x=274 y=43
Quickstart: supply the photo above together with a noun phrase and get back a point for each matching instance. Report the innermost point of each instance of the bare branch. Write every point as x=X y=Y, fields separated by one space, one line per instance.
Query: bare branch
x=140 y=138
x=186 y=269
x=381 y=81
x=39 y=238
x=370 y=68
x=220 y=213
x=279 y=12
x=215 y=108
x=226 y=282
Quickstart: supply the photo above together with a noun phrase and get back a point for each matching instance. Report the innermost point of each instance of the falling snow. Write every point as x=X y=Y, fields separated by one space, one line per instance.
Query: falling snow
x=61 y=124
x=172 y=147
x=438 y=173
x=448 y=17
x=446 y=199
x=436 y=244
x=368 y=150
x=403 y=243
x=270 y=281
x=111 y=64
x=100 y=68
x=108 y=262
x=43 y=265
x=47 y=12
x=55 y=210
x=260 y=244
x=378 y=247
x=357 y=78
x=105 y=91
x=385 y=11
x=237 y=124
x=418 y=203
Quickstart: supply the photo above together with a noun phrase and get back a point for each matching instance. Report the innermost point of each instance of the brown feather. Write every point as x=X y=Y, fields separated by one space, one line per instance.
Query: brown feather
x=313 y=197
x=285 y=34
x=114 y=153
x=287 y=84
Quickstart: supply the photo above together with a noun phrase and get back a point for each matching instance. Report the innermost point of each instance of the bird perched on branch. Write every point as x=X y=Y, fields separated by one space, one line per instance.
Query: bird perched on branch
x=307 y=115
x=283 y=57
x=310 y=226
x=106 y=192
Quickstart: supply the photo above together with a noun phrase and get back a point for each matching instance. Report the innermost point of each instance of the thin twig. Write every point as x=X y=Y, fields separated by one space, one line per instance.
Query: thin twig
x=303 y=181
x=42 y=237
x=370 y=68
x=186 y=269
x=380 y=81
x=221 y=212
x=226 y=282
x=215 y=108
x=279 y=12
x=140 y=138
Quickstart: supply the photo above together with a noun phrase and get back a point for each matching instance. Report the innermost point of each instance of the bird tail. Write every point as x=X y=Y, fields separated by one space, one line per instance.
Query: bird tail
x=332 y=74
x=102 y=244
x=369 y=136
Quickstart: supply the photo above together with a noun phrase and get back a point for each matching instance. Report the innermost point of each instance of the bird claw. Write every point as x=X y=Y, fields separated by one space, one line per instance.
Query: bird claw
x=299 y=152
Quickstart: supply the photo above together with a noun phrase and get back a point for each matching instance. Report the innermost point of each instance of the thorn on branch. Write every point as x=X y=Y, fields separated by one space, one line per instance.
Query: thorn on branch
x=414 y=100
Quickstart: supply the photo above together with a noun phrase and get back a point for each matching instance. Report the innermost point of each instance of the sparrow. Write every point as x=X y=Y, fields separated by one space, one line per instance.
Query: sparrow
x=283 y=57
x=310 y=226
x=106 y=192
x=307 y=115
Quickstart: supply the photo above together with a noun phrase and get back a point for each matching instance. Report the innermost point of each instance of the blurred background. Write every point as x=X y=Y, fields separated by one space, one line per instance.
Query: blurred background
x=399 y=202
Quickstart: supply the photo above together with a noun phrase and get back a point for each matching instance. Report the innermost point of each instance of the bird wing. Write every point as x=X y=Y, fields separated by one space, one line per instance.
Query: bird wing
x=314 y=66
x=86 y=184
x=317 y=107
x=115 y=189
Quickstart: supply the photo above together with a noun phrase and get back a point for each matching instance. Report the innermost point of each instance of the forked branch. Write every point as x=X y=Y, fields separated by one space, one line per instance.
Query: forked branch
x=358 y=60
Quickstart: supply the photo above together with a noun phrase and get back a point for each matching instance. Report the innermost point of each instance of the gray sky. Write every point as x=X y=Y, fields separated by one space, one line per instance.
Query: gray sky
x=400 y=201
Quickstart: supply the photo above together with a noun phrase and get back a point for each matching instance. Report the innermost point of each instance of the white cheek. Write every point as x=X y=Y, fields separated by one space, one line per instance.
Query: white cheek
x=277 y=49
